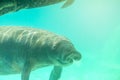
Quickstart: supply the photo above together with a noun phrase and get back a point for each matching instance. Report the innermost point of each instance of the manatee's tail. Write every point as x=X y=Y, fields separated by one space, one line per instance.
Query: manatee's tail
x=67 y=3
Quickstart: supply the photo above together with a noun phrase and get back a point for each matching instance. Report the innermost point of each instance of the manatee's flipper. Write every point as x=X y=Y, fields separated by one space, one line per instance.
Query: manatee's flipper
x=56 y=73
x=67 y=3
x=26 y=71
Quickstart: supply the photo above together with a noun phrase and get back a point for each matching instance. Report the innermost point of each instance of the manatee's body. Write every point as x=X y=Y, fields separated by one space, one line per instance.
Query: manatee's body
x=26 y=49
x=15 y=5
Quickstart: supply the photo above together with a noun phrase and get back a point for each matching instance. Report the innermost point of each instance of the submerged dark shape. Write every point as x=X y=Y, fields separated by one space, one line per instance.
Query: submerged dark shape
x=7 y=6
x=25 y=49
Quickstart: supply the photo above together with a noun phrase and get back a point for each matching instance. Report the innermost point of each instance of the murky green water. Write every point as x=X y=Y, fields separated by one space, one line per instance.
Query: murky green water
x=94 y=28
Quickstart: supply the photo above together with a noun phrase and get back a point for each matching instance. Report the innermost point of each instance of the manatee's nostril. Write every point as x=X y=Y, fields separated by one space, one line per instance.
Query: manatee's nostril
x=77 y=57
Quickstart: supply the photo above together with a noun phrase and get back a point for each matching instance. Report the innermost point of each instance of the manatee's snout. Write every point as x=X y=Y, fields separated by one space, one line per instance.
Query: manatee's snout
x=66 y=54
x=75 y=56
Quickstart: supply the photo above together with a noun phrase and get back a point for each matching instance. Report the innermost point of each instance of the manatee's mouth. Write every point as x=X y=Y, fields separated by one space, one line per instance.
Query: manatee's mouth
x=69 y=59
x=64 y=62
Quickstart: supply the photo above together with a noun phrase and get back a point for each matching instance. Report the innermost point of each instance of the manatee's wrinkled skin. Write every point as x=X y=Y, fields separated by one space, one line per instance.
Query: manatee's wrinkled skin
x=7 y=6
x=25 y=49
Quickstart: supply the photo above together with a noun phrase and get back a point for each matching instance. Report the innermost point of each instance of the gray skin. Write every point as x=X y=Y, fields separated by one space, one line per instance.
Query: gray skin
x=23 y=50
x=7 y=6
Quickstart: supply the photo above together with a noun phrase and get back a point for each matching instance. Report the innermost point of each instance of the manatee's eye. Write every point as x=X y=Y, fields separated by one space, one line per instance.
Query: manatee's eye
x=54 y=47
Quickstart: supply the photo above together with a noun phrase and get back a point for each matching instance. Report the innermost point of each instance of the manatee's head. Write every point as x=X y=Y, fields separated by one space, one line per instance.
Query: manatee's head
x=64 y=54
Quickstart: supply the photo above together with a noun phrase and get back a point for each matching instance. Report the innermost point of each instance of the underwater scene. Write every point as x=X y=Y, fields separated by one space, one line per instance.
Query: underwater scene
x=92 y=26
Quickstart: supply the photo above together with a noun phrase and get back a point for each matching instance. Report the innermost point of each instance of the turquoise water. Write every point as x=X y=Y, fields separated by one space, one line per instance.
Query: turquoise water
x=92 y=25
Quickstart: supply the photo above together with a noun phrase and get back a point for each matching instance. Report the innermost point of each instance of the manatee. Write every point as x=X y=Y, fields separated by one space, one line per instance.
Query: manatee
x=24 y=49
x=7 y=6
